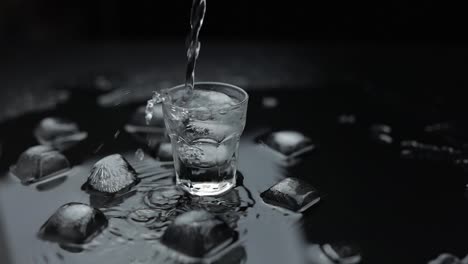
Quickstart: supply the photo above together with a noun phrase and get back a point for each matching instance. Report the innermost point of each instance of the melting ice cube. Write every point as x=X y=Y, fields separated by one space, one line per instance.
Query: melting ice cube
x=58 y=133
x=333 y=253
x=342 y=253
x=198 y=233
x=39 y=162
x=289 y=144
x=446 y=258
x=73 y=223
x=291 y=193
x=111 y=174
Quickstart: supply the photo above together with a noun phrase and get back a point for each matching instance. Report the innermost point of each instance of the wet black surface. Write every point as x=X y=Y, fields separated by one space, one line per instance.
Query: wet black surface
x=397 y=208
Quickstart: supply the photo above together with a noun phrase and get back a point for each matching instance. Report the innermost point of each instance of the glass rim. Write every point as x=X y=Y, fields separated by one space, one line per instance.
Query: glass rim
x=242 y=91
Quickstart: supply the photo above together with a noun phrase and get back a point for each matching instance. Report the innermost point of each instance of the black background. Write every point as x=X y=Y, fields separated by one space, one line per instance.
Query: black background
x=324 y=21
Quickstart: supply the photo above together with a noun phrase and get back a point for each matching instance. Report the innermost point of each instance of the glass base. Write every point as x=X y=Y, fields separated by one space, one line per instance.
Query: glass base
x=206 y=188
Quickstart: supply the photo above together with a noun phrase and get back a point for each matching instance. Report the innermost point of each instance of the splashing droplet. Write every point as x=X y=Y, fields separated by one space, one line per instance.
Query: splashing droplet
x=156 y=99
x=139 y=154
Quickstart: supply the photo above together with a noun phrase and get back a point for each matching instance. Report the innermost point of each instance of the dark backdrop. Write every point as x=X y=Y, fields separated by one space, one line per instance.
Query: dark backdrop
x=328 y=21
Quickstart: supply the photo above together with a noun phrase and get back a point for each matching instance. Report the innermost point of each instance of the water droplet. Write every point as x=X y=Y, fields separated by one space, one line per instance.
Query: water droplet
x=117 y=133
x=139 y=154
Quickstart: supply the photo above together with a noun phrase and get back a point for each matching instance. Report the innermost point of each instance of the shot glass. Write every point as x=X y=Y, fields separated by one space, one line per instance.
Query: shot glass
x=205 y=129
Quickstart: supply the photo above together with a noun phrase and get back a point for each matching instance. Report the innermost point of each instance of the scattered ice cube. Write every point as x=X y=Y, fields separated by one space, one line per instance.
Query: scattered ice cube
x=381 y=133
x=445 y=258
x=315 y=255
x=333 y=253
x=58 y=133
x=438 y=127
x=165 y=151
x=39 y=162
x=139 y=154
x=73 y=223
x=291 y=193
x=197 y=234
x=382 y=138
x=342 y=253
x=111 y=174
x=381 y=128
x=413 y=149
x=269 y=102
x=347 y=119
x=288 y=143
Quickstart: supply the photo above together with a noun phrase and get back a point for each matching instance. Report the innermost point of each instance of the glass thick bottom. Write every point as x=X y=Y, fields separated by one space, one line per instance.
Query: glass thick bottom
x=206 y=188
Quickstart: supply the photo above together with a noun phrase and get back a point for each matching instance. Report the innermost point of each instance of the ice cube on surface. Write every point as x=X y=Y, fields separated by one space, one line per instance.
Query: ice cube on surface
x=39 y=162
x=73 y=223
x=287 y=142
x=315 y=255
x=342 y=253
x=111 y=174
x=291 y=193
x=446 y=258
x=59 y=133
x=197 y=233
x=165 y=151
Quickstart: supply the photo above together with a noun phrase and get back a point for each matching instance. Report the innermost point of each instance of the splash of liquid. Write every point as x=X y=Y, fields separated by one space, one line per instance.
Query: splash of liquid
x=156 y=99
x=193 y=45
x=197 y=16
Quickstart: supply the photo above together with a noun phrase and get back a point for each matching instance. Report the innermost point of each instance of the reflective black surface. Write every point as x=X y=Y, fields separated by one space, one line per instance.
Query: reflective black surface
x=397 y=208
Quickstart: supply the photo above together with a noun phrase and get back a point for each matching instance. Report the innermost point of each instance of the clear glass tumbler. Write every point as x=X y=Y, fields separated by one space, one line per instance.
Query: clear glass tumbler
x=205 y=129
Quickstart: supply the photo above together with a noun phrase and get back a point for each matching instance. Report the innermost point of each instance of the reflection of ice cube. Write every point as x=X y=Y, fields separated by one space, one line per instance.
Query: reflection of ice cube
x=291 y=193
x=38 y=162
x=204 y=153
x=165 y=197
x=59 y=133
x=111 y=174
x=73 y=223
x=197 y=233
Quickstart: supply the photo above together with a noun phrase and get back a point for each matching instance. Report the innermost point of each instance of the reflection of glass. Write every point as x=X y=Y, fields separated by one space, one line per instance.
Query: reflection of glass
x=205 y=132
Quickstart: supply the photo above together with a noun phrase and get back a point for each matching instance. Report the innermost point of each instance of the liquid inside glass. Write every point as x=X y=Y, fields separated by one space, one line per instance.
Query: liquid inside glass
x=205 y=132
